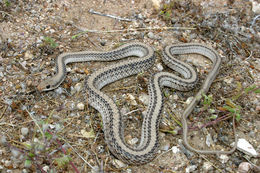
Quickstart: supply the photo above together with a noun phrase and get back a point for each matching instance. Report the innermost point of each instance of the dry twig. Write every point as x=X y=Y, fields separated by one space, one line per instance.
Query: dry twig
x=111 y=16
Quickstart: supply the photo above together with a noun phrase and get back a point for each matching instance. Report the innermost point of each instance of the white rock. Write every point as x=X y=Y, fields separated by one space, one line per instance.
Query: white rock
x=175 y=97
x=132 y=99
x=24 y=131
x=51 y=126
x=159 y=67
x=229 y=80
x=129 y=170
x=80 y=106
x=1 y=152
x=244 y=167
x=46 y=168
x=15 y=153
x=191 y=168
x=207 y=166
x=175 y=149
x=255 y=6
x=209 y=140
x=36 y=140
x=133 y=141
x=223 y=158
x=150 y=35
x=156 y=4
x=28 y=55
x=165 y=145
x=118 y=163
x=59 y=90
x=188 y=101
x=246 y=147
x=7 y=163
x=144 y=98
x=78 y=87
x=68 y=69
x=3 y=140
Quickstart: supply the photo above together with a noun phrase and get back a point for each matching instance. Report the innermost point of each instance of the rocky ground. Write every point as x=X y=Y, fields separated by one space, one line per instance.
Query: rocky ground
x=57 y=131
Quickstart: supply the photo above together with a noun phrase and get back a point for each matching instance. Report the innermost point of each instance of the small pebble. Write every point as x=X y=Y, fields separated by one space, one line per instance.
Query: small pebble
x=133 y=141
x=144 y=98
x=28 y=55
x=223 y=158
x=80 y=106
x=229 y=80
x=51 y=126
x=15 y=152
x=191 y=168
x=255 y=6
x=139 y=16
x=24 y=171
x=46 y=168
x=103 y=42
x=7 y=163
x=1 y=152
x=150 y=35
x=129 y=170
x=175 y=149
x=207 y=166
x=244 y=167
x=188 y=101
x=78 y=87
x=159 y=67
x=175 y=97
x=246 y=147
x=209 y=140
x=165 y=146
x=59 y=90
x=193 y=36
x=24 y=131
x=100 y=149
x=132 y=99
x=3 y=140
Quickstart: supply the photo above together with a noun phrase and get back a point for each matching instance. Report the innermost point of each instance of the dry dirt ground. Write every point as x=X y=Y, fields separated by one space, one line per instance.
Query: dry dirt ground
x=57 y=131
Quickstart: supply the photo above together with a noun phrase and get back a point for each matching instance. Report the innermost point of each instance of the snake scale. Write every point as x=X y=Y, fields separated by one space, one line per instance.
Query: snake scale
x=112 y=120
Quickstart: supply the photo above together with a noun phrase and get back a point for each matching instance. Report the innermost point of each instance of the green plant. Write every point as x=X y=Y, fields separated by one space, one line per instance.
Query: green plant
x=230 y=105
x=166 y=11
x=207 y=101
x=63 y=160
x=49 y=41
x=235 y=109
x=7 y=3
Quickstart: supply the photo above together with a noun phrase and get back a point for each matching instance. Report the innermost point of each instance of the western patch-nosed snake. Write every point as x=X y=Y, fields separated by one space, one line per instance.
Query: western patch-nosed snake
x=112 y=120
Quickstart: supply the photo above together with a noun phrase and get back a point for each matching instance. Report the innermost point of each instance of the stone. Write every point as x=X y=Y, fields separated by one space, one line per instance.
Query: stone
x=246 y=147
x=24 y=131
x=244 y=167
x=80 y=106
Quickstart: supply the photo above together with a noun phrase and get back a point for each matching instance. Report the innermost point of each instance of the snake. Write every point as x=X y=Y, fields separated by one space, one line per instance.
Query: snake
x=113 y=126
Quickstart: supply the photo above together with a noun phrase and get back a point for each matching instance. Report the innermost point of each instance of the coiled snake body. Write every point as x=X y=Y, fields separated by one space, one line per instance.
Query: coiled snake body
x=112 y=120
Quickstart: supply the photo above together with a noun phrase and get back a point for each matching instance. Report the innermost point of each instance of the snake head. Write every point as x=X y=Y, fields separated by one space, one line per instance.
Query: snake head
x=46 y=85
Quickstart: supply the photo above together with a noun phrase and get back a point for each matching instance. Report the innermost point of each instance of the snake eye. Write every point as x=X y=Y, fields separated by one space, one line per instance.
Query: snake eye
x=48 y=87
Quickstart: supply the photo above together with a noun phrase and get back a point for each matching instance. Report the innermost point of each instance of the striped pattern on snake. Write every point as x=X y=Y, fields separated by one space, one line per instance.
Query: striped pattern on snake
x=112 y=120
